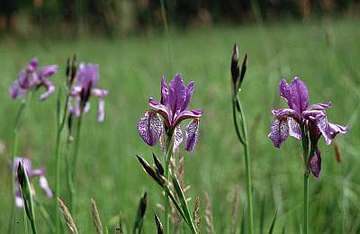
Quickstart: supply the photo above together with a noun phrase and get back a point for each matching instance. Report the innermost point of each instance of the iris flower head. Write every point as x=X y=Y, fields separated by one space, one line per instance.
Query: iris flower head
x=32 y=173
x=301 y=115
x=32 y=78
x=166 y=115
x=85 y=86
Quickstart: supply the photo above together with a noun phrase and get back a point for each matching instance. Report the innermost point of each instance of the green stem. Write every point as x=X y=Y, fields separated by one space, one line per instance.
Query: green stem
x=60 y=123
x=74 y=162
x=167 y=158
x=306 y=203
x=19 y=114
x=305 y=145
x=245 y=142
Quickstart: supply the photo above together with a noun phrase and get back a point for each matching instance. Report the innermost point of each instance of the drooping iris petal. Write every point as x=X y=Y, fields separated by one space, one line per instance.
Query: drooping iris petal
x=178 y=137
x=16 y=91
x=320 y=106
x=285 y=113
x=177 y=94
x=192 y=135
x=193 y=114
x=44 y=185
x=19 y=202
x=150 y=128
x=294 y=128
x=279 y=132
x=315 y=163
x=162 y=110
x=101 y=110
x=48 y=71
x=329 y=130
x=50 y=88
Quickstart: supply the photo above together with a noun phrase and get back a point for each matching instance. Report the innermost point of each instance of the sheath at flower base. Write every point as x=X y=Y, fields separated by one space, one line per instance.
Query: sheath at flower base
x=84 y=87
x=32 y=78
x=288 y=121
x=166 y=116
x=43 y=183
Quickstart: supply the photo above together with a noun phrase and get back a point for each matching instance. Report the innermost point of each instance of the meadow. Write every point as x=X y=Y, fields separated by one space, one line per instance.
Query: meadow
x=325 y=54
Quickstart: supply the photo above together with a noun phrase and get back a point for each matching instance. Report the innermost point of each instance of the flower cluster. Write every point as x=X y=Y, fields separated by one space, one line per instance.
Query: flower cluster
x=33 y=77
x=31 y=174
x=165 y=116
x=301 y=120
x=85 y=86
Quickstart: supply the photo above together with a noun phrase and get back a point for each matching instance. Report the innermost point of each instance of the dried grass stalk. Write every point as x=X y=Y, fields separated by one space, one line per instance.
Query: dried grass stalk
x=96 y=217
x=67 y=217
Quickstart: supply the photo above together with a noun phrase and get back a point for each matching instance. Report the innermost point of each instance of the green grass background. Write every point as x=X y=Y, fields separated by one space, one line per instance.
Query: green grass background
x=325 y=54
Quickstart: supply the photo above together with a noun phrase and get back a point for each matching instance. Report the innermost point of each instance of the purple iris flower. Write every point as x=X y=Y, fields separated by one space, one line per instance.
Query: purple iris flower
x=84 y=87
x=33 y=77
x=166 y=115
x=301 y=115
x=31 y=173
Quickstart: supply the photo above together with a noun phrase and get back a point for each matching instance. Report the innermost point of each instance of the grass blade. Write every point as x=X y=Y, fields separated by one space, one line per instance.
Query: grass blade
x=139 y=220
x=271 y=229
x=159 y=226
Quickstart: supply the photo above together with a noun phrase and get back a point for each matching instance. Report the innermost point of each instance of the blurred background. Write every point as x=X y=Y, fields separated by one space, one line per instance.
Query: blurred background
x=123 y=17
x=135 y=42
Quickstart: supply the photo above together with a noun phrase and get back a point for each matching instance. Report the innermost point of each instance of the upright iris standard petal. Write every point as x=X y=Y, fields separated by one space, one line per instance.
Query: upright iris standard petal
x=188 y=95
x=315 y=163
x=164 y=92
x=299 y=95
x=295 y=93
x=150 y=128
x=279 y=132
x=192 y=135
x=177 y=94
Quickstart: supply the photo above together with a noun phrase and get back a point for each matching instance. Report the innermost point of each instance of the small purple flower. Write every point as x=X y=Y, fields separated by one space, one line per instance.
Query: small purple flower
x=85 y=86
x=31 y=173
x=300 y=114
x=173 y=108
x=33 y=77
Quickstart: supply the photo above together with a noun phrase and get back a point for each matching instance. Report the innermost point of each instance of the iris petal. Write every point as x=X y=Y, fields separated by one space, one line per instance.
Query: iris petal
x=150 y=128
x=279 y=132
x=315 y=163
x=192 y=135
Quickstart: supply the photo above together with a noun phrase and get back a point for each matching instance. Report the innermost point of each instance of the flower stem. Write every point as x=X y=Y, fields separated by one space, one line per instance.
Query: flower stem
x=167 y=158
x=305 y=145
x=19 y=114
x=60 y=123
x=306 y=203
x=74 y=162
x=245 y=142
